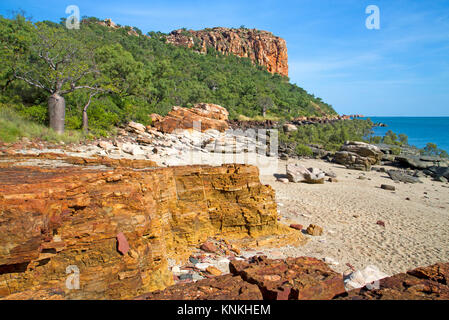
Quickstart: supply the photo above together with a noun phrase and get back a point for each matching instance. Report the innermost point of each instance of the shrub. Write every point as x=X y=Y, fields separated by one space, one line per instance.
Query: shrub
x=396 y=151
x=303 y=150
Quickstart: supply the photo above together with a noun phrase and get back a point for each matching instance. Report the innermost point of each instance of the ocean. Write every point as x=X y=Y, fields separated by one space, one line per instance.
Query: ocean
x=420 y=130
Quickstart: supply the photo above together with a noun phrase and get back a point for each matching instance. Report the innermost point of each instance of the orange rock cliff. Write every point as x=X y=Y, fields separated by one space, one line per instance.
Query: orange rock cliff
x=118 y=226
x=260 y=46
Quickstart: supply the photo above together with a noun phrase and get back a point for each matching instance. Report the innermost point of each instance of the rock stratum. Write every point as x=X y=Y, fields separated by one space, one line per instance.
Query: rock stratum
x=306 y=278
x=118 y=222
x=261 y=47
x=206 y=116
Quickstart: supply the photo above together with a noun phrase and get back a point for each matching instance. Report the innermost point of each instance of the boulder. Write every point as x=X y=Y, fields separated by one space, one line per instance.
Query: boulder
x=439 y=172
x=358 y=155
x=211 y=116
x=421 y=162
x=288 y=127
x=401 y=176
x=299 y=173
x=105 y=145
x=300 y=278
x=213 y=271
x=132 y=149
x=314 y=230
x=363 y=149
x=208 y=246
x=424 y=283
x=361 y=278
x=135 y=127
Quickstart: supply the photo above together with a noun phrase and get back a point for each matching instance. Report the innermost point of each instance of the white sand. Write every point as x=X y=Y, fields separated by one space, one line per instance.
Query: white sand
x=416 y=232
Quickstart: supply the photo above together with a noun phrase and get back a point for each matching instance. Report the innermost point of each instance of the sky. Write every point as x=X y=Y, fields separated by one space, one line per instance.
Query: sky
x=400 y=69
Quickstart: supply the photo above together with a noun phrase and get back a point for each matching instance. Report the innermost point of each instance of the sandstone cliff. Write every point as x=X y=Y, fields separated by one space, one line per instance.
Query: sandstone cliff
x=118 y=226
x=260 y=46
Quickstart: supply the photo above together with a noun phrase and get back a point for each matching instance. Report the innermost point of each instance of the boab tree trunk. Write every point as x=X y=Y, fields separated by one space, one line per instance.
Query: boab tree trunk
x=56 y=110
x=85 y=121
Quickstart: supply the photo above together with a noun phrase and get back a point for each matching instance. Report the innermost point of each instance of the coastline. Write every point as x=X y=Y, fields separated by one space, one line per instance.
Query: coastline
x=416 y=231
x=420 y=130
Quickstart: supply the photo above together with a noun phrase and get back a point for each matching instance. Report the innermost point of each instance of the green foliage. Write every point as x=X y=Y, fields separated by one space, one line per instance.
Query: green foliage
x=303 y=150
x=139 y=75
x=395 y=150
x=390 y=138
x=330 y=136
x=375 y=139
x=13 y=127
x=431 y=149
x=403 y=139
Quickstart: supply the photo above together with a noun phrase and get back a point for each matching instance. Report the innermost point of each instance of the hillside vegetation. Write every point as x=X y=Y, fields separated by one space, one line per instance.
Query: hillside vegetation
x=117 y=76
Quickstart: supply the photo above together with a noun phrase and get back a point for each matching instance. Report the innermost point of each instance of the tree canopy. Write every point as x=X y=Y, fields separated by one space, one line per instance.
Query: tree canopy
x=138 y=74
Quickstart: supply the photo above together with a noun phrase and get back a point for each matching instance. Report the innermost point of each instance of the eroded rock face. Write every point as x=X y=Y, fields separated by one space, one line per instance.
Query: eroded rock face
x=61 y=215
x=425 y=283
x=260 y=46
x=211 y=116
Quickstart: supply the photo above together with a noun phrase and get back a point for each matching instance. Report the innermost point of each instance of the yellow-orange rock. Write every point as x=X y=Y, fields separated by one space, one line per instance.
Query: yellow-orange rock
x=211 y=116
x=52 y=218
x=259 y=46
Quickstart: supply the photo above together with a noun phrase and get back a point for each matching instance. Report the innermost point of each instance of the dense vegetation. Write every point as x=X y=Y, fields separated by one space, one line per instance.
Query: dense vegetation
x=126 y=77
x=328 y=136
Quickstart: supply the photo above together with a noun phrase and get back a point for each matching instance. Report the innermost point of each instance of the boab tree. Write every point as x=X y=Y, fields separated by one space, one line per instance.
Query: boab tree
x=51 y=58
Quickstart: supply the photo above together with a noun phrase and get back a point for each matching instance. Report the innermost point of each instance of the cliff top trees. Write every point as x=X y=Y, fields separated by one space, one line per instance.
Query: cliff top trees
x=141 y=75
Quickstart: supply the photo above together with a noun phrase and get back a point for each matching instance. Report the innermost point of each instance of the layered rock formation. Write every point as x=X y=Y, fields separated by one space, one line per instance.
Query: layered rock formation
x=358 y=155
x=211 y=116
x=117 y=226
x=261 y=47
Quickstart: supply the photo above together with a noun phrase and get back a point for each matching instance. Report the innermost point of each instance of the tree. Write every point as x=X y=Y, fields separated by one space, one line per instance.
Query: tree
x=403 y=139
x=265 y=103
x=55 y=60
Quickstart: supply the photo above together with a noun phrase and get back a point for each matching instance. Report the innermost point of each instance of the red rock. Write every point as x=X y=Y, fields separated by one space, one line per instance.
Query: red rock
x=206 y=116
x=225 y=287
x=122 y=246
x=381 y=223
x=296 y=226
x=425 y=283
x=309 y=278
x=54 y=217
x=261 y=47
x=209 y=247
x=283 y=293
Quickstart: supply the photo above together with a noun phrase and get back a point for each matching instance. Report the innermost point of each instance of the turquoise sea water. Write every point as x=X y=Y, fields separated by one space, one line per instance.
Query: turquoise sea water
x=420 y=130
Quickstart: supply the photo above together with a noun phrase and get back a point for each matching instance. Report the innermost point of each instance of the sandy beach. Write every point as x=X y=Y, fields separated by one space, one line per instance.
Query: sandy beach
x=416 y=231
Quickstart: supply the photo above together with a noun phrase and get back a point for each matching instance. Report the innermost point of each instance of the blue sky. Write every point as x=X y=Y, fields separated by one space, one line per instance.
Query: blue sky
x=400 y=70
